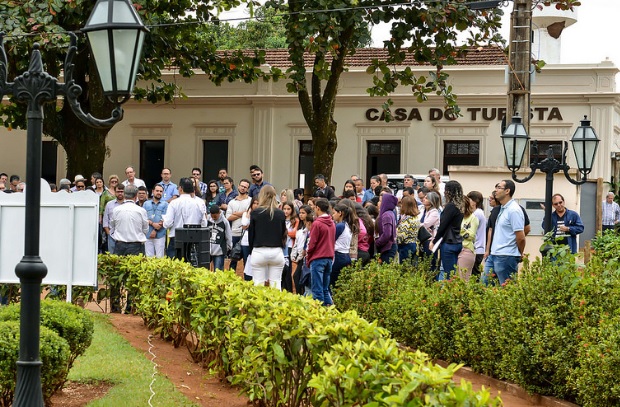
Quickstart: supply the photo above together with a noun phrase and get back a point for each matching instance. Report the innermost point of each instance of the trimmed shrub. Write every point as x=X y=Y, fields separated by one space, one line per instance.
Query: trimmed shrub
x=72 y=323
x=271 y=343
x=54 y=354
x=553 y=331
x=361 y=373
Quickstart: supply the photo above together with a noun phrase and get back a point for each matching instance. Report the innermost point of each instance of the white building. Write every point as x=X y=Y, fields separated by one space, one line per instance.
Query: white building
x=237 y=125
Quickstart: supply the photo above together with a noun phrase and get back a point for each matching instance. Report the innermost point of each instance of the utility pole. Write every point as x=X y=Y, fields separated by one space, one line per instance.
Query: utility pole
x=520 y=62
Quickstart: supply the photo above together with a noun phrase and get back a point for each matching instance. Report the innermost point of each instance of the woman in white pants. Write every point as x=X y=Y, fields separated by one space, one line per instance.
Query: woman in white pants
x=267 y=235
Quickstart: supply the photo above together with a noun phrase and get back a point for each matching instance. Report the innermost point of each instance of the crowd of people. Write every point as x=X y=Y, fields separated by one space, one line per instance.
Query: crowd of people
x=301 y=242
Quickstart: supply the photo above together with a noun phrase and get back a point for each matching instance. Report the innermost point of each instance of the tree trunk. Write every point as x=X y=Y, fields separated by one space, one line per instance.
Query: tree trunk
x=324 y=144
x=85 y=146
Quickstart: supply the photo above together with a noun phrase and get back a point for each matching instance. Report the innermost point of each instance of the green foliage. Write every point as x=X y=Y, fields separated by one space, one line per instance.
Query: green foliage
x=265 y=31
x=362 y=373
x=73 y=324
x=278 y=347
x=607 y=247
x=54 y=354
x=553 y=331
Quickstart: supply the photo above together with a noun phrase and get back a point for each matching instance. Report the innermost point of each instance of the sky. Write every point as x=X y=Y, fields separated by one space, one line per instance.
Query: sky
x=590 y=40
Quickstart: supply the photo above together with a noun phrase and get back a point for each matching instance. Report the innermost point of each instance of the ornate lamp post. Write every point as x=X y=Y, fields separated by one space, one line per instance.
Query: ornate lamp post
x=110 y=28
x=584 y=143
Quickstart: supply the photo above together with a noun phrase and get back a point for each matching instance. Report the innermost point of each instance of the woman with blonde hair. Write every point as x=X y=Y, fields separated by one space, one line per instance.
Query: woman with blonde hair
x=266 y=236
x=286 y=195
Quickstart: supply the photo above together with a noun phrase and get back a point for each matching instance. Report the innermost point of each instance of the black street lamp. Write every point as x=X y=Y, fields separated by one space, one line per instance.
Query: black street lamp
x=113 y=21
x=584 y=143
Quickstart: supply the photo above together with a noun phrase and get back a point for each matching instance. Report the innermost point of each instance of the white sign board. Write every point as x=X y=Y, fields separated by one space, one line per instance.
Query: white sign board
x=68 y=238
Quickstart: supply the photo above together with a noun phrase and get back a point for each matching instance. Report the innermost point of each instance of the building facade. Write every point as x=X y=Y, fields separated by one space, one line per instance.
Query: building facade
x=237 y=125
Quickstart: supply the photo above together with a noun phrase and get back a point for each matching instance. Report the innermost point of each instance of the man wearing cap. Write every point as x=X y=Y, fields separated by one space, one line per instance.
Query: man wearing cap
x=75 y=181
x=64 y=185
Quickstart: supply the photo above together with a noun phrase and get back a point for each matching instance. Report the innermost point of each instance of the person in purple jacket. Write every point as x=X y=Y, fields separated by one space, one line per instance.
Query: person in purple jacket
x=386 y=227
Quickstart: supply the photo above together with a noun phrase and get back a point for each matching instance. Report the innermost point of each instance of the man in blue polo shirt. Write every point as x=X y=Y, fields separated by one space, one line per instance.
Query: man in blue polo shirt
x=171 y=191
x=508 y=236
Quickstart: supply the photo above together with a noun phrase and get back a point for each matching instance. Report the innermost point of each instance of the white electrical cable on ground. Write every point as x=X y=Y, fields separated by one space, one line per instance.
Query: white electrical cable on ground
x=151 y=346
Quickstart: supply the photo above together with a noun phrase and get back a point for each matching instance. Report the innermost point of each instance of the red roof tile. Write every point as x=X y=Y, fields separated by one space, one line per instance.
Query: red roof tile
x=363 y=57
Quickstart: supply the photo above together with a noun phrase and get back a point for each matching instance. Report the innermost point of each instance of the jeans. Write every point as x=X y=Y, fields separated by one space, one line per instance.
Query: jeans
x=341 y=260
x=320 y=271
x=233 y=263
x=388 y=255
x=504 y=267
x=170 y=249
x=267 y=264
x=129 y=248
x=246 y=252
x=407 y=252
x=111 y=245
x=449 y=253
x=363 y=256
x=218 y=262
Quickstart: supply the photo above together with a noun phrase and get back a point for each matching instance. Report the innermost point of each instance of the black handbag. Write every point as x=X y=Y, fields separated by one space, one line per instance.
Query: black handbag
x=423 y=234
x=236 y=253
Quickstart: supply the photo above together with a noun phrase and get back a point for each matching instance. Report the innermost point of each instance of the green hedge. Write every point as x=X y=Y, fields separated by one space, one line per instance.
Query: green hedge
x=74 y=327
x=553 y=331
x=282 y=349
x=54 y=353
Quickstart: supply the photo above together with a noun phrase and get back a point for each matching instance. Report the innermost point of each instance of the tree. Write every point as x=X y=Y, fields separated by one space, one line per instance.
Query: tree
x=175 y=41
x=265 y=31
x=321 y=34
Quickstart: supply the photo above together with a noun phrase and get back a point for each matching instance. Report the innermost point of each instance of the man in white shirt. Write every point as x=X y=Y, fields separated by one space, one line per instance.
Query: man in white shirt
x=184 y=210
x=131 y=178
x=129 y=225
x=234 y=212
x=611 y=212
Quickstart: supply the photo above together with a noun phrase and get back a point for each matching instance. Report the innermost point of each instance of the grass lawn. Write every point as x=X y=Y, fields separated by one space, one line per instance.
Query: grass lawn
x=111 y=359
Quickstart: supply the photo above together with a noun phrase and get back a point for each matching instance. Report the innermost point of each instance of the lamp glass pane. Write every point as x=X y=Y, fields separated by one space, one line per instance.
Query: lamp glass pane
x=521 y=144
x=101 y=52
x=123 y=13
x=137 y=55
x=124 y=46
x=99 y=14
x=509 y=150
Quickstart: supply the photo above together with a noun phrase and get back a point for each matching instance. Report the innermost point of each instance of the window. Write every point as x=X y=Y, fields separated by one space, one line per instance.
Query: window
x=539 y=150
x=382 y=157
x=214 y=157
x=460 y=153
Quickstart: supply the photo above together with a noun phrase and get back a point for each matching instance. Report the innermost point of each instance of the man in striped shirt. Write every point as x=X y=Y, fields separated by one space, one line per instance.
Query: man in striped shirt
x=611 y=212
